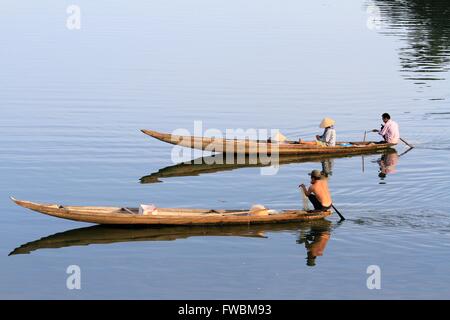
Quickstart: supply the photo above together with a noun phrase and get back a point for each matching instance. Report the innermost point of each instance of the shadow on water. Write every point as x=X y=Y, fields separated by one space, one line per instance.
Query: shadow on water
x=425 y=25
x=216 y=163
x=313 y=234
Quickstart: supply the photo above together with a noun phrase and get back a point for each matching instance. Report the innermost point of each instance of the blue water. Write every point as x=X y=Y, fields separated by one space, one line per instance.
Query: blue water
x=72 y=103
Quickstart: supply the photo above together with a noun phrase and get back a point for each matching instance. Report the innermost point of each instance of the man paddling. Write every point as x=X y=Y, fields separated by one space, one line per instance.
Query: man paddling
x=389 y=131
x=318 y=192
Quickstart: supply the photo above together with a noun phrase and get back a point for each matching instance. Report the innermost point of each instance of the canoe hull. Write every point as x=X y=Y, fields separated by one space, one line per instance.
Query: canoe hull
x=168 y=216
x=250 y=147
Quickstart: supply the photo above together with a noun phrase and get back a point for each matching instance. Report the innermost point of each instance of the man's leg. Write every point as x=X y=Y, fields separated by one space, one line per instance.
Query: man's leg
x=316 y=203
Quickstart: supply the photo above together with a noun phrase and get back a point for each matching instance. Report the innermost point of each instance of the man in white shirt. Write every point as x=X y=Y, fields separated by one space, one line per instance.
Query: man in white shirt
x=390 y=130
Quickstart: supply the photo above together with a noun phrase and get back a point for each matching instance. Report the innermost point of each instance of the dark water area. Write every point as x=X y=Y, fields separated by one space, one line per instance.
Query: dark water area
x=72 y=103
x=425 y=28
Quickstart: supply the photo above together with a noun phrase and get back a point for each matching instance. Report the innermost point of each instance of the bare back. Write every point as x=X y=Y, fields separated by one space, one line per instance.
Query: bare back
x=320 y=189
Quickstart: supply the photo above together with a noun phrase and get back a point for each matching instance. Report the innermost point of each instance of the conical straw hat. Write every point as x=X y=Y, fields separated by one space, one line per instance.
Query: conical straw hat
x=326 y=122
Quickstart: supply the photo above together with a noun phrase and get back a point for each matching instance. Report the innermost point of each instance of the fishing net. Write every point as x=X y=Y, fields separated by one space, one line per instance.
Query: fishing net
x=305 y=200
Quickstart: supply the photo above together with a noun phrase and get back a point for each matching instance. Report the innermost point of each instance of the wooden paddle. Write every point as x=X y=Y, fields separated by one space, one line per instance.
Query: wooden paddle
x=409 y=145
x=337 y=211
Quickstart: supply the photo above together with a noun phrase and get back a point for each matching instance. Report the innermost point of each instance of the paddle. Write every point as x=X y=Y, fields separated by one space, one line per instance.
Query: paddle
x=409 y=145
x=337 y=211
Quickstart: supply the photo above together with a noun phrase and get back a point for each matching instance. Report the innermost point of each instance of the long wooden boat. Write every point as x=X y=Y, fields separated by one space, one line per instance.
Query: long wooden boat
x=104 y=234
x=168 y=216
x=249 y=147
x=211 y=164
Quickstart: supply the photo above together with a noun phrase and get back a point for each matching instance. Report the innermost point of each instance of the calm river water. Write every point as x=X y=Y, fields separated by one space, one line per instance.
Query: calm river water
x=72 y=103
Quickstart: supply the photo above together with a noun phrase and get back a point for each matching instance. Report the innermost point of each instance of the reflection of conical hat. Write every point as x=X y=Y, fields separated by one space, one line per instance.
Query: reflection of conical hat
x=259 y=210
x=326 y=122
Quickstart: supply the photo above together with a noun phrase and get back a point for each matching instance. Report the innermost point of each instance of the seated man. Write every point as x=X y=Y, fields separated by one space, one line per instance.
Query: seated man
x=318 y=192
x=328 y=138
x=389 y=131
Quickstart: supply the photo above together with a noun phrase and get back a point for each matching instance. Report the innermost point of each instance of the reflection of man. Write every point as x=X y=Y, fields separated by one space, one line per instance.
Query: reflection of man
x=317 y=247
x=388 y=163
x=316 y=241
x=327 y=167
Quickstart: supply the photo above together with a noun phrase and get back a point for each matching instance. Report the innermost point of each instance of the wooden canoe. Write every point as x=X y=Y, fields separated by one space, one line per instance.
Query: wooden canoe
x=208 y=165
x=104 y=234
x=168 y=216
x=249 y=147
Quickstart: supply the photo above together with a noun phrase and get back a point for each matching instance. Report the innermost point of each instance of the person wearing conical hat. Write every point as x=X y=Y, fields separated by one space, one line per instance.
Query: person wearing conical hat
x=328 y=138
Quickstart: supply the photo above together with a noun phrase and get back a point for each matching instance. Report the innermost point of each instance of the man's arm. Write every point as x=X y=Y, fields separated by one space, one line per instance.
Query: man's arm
x=305 y=191
x=381 y=132
x=384 y=129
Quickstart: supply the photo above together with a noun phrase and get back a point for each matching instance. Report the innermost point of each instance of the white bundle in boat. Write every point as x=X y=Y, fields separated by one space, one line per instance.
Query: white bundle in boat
x=259 y=210
x=279 y=138
x=148 y=209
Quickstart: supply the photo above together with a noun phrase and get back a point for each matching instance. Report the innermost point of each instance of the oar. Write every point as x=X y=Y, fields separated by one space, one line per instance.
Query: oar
x=409 y=145
x=337 y=211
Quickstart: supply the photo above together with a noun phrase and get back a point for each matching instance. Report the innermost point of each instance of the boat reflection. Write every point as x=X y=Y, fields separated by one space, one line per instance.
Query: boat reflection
x=309 y=235
x=217 y=163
